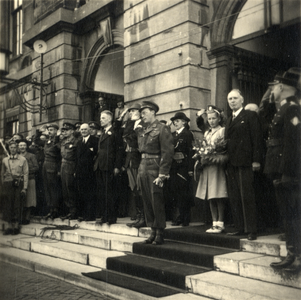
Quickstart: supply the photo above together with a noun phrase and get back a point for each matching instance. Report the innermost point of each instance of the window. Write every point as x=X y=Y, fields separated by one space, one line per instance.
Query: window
x=17 y=18
x=12 y=127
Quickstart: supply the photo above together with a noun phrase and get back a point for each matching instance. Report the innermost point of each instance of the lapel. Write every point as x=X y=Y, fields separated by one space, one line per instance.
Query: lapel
x=237 y=120
x=150 y=128
x=104 y=135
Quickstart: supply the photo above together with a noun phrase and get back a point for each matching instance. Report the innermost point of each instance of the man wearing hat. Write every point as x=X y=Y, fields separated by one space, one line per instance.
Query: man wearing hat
x=76 y=133
x=156 y=147
x=51 y=169
x=182 y=168
x=283 y=161
x=14 y=178
x=68 y=168
x=94 y=127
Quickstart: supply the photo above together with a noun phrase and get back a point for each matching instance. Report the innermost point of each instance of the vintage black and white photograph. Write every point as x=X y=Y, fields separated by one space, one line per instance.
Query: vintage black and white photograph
x=150 y=149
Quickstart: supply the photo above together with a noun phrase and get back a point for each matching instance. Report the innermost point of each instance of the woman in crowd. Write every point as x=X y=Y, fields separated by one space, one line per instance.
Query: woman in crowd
x=33 y=166
x=181 y=170
x=212 y=181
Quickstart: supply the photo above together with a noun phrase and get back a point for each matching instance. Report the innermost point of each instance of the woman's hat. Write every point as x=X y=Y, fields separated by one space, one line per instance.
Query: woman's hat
x=181 y=116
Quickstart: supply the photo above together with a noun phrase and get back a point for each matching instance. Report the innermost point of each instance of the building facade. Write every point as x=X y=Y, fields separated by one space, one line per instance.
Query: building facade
x=65 y=55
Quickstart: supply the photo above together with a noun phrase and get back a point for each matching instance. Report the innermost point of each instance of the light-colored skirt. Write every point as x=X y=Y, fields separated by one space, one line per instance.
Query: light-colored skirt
x=31 y=198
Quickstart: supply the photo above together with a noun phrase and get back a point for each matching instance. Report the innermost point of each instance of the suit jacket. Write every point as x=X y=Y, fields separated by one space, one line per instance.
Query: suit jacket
x=244 y=139
x=110 y=151
x=86 y=153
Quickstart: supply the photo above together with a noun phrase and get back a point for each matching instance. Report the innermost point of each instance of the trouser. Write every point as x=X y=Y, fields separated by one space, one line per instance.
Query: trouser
x=181 y=192
x=87 y=197
x=13 y=202
x=52 y=185
x=69 y=186
x=105 y=206
x=242 y=198
x=152 y=194
x=290 y=198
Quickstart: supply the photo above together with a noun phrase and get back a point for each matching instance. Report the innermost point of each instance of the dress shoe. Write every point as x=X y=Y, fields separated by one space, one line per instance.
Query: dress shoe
x=295 y=267
x=8 y=231
x=110 y=222
x=151 y=237
x=176 y=223
x=25 y=222
x=54 y=215
x=252 y=236
x=283 y=264
x=159 y=237
x=184 y=224
x=65 y=217
x=80 y=219
x=235 y=233
x=72 y=217
x=282 y=237
x=47 y=216
x=140 y=224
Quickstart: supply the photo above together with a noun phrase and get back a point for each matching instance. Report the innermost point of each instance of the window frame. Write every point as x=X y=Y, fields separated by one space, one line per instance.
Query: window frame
x=17 y=27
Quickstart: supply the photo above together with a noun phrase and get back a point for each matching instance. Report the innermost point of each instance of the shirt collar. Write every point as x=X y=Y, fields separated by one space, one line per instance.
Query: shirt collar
x=180 y=130
x=108 y=128
x=237 y=112
x=86 y=138
x=13 y=156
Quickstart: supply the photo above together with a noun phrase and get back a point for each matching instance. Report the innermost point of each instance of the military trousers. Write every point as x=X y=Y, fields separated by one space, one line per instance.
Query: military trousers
x=69 y=187
x=152 y=194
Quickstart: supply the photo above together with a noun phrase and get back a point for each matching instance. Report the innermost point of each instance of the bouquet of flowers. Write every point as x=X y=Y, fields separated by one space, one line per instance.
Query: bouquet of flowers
x=215 y=153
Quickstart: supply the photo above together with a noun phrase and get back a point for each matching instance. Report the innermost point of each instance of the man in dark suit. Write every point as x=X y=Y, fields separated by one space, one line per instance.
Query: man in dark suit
x=107 y=165
x=245 y=149
x=85 y=177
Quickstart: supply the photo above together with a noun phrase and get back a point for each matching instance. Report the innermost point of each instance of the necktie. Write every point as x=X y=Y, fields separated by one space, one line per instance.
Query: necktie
x=233 y=117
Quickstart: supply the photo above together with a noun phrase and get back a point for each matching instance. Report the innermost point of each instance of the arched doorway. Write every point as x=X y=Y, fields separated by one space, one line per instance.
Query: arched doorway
x=252 y=40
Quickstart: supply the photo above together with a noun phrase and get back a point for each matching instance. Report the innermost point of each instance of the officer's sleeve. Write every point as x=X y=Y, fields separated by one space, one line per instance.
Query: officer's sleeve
x=167 y=150
x=290 y=163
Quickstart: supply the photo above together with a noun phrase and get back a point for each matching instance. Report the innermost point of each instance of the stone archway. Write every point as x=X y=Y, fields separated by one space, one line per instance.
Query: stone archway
x=87 y=93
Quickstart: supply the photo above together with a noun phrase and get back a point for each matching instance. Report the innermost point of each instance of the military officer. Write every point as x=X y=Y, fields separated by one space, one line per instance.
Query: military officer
x=51 y=169
x=283 y=161
x=77 y=132
x=94 y=127
x=68 y=168
x=156 y=146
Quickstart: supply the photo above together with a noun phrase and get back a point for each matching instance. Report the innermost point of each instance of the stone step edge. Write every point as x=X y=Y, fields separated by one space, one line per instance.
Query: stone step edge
x=15 y=258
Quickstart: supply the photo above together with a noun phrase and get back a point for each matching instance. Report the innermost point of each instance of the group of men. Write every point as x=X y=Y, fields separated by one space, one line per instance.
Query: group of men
x=85 y=168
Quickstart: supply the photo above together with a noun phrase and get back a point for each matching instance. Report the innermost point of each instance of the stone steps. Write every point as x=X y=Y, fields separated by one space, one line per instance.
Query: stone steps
x=219 y=285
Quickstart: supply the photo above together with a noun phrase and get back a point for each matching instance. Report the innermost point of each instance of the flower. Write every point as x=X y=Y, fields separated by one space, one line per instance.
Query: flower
x=70 y=146
x=109 y=133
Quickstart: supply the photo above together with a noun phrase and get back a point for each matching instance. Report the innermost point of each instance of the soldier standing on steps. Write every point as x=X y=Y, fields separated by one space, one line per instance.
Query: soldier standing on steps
x=283 y=162
x=156 y=146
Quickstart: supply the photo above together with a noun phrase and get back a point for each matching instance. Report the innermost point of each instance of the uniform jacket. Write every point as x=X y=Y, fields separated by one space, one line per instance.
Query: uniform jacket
x=244 y=139
x=133 y=156
x=283 y=152
x=157 y=139
x=86 y=153
x=13 y=168
x=110 y=151
x=183 y=144
x=52 y=153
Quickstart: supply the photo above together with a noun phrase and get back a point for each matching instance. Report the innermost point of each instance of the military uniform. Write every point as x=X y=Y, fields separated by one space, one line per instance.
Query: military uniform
x=283 y=160
x=156 y=147
x=51 y=167
x=68 y=169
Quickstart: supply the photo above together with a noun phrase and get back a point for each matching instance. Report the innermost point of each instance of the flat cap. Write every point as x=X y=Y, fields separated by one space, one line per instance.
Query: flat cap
x=68 y=126
x=150 y=105
x=135 y=106
x=180 y=116
x=94 y=125
x=52 y=125
x=290 y=77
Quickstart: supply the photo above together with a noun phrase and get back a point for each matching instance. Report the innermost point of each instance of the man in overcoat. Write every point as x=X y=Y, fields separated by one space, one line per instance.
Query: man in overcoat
x=245 y=149
x=107 y=165
x=86 y=182
x=156 y=146
x=283 y=161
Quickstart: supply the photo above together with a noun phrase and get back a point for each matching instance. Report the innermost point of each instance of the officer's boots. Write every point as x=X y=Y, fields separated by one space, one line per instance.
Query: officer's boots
x=159 y=237
x=141 y=222
x=151 y=237
x=295 y=267
x=284 y=263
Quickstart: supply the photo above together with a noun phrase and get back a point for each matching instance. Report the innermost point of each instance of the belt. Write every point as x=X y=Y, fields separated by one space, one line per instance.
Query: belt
x=146 y=155
x=67 y=161
x=273 y=142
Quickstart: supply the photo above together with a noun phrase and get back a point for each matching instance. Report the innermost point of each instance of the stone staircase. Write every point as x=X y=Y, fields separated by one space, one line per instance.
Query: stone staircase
x=190 y=265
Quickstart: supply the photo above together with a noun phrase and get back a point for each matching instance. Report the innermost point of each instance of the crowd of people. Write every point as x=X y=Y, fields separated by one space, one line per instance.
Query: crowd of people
x=133 y=164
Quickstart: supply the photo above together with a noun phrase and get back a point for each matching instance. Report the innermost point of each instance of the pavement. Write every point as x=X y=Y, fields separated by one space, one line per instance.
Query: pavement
x=17 y=283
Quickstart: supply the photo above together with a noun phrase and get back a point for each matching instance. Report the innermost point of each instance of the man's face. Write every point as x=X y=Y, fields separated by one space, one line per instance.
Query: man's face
x=52 y=131
x=13 y=149
x=105 y=120
x=93 y=131
x=22 y=147
x=84 y=130
x=147 y=115
x=134 y=114
x=68 y=133
x=235 y=100
x=120 y=104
